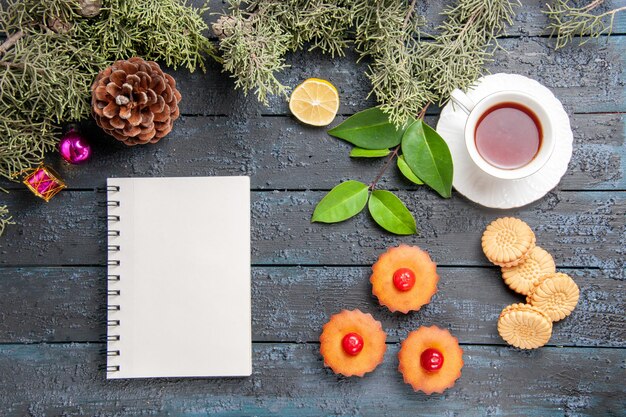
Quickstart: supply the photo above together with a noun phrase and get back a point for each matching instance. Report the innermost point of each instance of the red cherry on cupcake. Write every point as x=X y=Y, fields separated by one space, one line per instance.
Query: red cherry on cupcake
x=431 y=360
x=352 y=344
x=403 y=279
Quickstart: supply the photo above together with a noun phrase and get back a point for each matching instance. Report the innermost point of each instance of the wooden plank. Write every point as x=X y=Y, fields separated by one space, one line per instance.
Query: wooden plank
x=581 y=229
x=586 y=79
x=52 y=304
x=292 y=303
x=278 y=153
x=289 y=379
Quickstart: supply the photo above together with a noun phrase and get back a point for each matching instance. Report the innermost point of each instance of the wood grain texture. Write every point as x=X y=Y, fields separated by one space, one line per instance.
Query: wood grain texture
x=279 y=153
x=292 y=303
x=581 y=229
x=289 y=379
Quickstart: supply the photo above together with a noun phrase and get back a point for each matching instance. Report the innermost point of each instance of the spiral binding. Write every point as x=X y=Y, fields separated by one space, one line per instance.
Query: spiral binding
x=112 y=279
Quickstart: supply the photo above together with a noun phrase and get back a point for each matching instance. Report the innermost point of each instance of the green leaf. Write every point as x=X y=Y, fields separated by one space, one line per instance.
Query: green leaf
x=342 y=202
x=391 y=213
x=369 y=129
x=428 y=156
x=368 y=153
x=406 y=171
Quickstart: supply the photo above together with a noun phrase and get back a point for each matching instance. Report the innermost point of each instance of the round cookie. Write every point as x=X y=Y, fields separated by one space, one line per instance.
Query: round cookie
x=404 y=278
x=555 y=294
x=522 y=277
x=524 y=326
x=430 y=359
x=507 y=241
x=352 y=343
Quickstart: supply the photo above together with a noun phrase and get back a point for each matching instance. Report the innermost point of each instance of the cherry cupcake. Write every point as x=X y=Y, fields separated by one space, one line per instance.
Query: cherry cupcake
x=404 y=278
x=430 y=360
x=352 y=343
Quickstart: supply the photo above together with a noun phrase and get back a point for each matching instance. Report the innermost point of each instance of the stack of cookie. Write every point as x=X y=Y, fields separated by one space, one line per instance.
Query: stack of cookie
x=528 y=270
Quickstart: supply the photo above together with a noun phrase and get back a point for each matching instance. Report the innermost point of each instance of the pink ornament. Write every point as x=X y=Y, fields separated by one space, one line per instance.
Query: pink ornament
x=74 y=148
x=44 y=182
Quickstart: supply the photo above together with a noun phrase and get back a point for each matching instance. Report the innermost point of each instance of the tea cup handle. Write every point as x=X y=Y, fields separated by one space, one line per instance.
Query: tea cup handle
x=461 y=99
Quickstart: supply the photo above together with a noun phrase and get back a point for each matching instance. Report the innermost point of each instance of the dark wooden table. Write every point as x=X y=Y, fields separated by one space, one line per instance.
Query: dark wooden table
x=52 y=273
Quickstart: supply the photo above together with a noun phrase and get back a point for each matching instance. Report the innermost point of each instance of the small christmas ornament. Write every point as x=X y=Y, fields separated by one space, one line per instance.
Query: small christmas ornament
x=74 y=147
x=135 y=101
x=44 y=182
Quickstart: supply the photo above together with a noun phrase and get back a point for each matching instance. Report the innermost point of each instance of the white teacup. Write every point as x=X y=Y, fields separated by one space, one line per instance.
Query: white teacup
x=476 y=110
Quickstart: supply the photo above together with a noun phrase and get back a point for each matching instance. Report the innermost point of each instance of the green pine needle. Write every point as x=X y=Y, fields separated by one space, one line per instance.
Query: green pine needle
x=168 y=31
x=5 y=219
x=388 y=32
x=568 y=21
x=466 y=41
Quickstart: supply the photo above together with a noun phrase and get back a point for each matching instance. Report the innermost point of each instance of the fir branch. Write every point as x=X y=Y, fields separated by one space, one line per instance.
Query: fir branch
x=5 y=219
x=568 y=21
x=25 y=141
x=388 y=32
x=466 y=42
x=44 y=79
x=161 y=30
x=322 y=23
x=27 y=15
x=256 y=35
x=42 y=83
x=254 y=50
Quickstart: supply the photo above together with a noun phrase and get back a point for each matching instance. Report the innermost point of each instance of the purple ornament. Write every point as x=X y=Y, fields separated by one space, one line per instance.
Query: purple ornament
x=74 y=148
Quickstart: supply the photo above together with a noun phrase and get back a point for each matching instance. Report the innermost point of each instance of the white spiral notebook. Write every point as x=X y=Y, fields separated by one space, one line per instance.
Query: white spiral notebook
x=178 y=277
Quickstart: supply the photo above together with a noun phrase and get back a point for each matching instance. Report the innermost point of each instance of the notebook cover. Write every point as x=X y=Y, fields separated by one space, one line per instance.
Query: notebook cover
x=181 y=305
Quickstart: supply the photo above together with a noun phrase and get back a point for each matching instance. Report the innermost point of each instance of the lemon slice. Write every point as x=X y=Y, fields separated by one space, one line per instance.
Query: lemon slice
x=315 y=102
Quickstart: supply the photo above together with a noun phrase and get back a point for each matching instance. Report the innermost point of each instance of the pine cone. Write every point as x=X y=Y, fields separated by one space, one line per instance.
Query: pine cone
x=135 y=101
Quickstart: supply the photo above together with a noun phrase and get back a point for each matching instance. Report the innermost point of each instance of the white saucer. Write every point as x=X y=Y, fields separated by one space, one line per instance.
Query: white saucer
x=489 y=191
